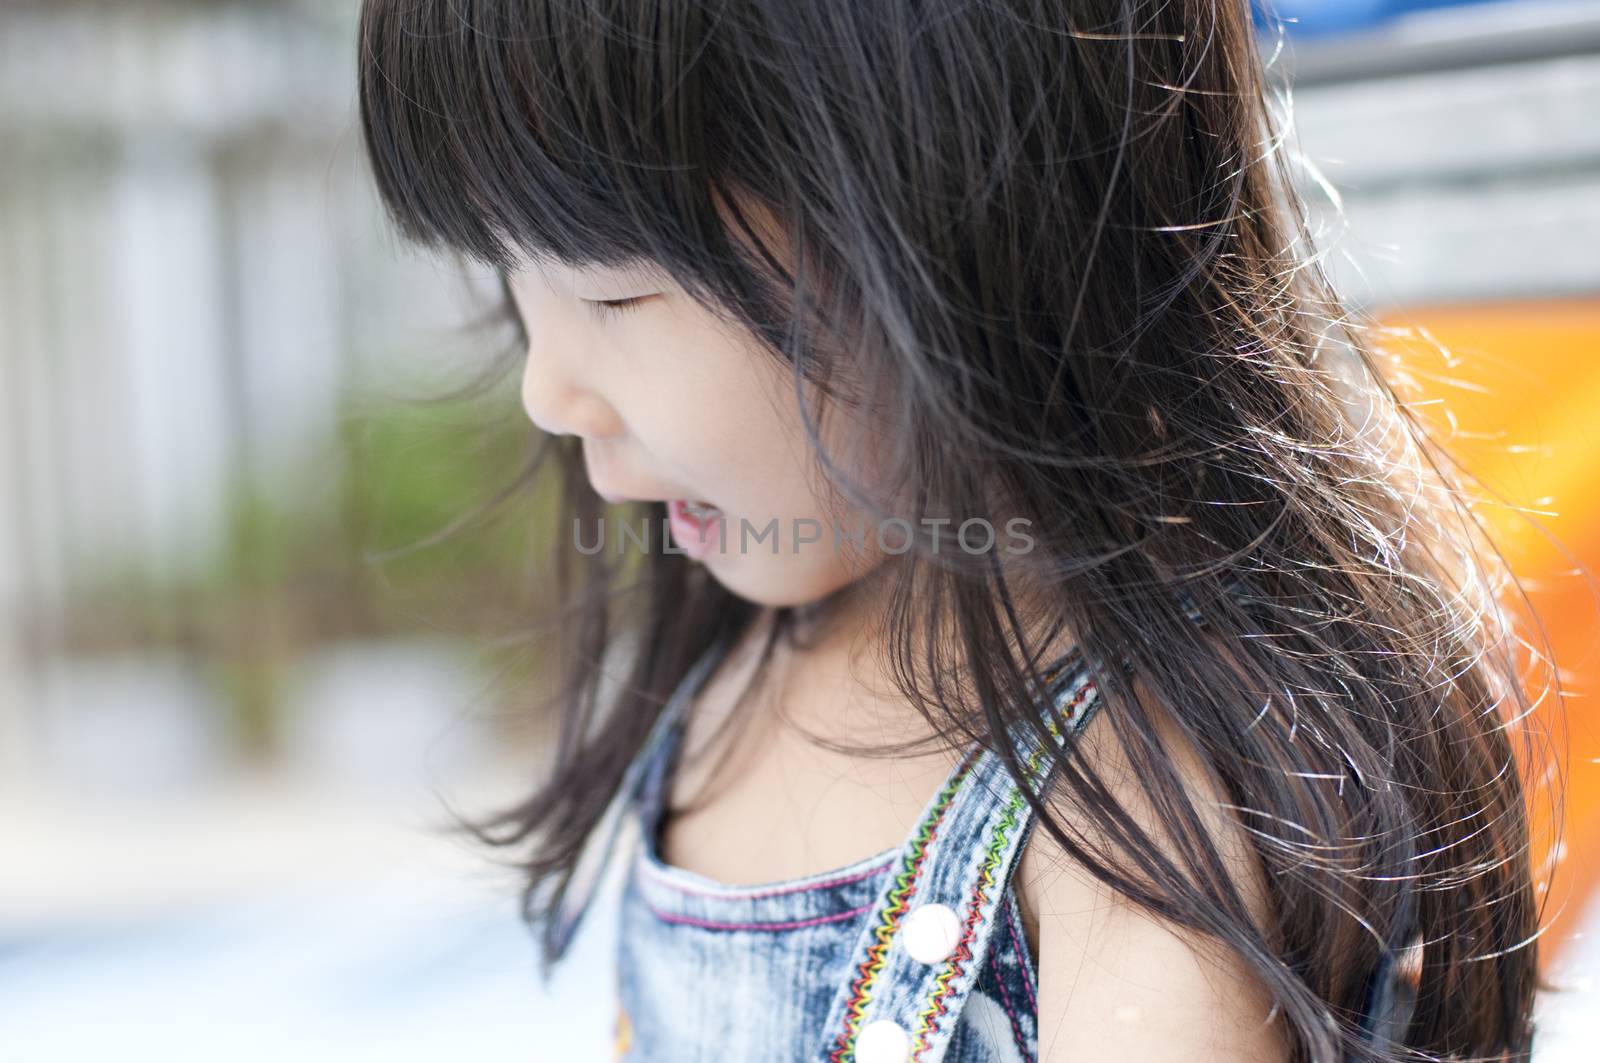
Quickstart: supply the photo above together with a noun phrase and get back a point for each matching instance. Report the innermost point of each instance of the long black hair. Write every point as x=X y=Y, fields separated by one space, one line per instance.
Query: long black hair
x=1055 y=250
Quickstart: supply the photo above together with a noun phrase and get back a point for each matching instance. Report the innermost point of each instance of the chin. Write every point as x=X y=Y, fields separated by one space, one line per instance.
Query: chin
x=782 y=579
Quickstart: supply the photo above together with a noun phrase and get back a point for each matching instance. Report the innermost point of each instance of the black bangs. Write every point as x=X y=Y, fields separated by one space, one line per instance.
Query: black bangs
x=566 y=130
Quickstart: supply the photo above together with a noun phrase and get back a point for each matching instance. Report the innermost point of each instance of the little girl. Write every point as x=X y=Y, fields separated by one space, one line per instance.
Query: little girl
x=991 y=571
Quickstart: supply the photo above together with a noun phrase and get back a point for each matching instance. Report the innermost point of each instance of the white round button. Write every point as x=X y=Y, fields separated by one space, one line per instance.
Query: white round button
x=882 y=1041
x=932 y=932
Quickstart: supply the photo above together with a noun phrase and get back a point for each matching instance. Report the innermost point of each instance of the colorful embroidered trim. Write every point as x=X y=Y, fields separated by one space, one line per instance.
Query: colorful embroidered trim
x=792 y=924
x=937 y=1008
x=905 y=886
x=655 y=872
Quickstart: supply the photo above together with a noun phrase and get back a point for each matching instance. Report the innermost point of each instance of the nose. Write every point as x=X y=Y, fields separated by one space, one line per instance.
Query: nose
x=557 y=404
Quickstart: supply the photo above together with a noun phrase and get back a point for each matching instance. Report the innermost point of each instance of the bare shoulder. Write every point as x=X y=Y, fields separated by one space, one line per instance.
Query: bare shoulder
x=1115 y=981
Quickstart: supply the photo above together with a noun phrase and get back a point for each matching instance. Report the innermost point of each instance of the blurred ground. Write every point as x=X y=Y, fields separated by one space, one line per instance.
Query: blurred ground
x=274 y=921
x=338 y=930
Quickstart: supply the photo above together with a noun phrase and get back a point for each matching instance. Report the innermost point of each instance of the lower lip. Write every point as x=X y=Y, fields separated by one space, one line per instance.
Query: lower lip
x=694 y=537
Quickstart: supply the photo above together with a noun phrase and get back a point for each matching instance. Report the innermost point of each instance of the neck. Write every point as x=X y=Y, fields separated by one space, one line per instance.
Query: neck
x=838 y=646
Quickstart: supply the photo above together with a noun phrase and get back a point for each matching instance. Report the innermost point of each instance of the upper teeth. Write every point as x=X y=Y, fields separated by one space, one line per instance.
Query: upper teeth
x=698 y=510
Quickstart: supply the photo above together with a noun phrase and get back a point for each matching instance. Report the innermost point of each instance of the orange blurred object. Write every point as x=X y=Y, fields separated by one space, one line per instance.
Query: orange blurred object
x=1513 y=387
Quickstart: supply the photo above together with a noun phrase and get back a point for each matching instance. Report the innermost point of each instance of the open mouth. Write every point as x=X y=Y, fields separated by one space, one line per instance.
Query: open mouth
x=696 y=525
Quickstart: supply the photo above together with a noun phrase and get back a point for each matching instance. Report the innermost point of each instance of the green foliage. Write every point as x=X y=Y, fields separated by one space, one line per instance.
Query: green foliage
x=374 y=541
x=414 y=478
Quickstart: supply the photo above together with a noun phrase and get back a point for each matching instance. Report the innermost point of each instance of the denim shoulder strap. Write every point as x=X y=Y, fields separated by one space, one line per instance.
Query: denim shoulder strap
x=596 y=855
x=920 y=953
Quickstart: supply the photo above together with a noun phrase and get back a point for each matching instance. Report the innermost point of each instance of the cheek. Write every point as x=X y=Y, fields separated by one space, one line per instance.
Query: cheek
x=724 y=421
x=737 y=435
x=764 y=463
x=773 y=465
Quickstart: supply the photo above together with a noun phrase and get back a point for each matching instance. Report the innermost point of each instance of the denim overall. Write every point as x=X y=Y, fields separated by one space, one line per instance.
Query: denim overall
x=913 y=954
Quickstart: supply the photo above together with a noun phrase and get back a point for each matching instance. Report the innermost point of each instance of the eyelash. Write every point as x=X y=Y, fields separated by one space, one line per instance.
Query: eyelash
x=609 y=308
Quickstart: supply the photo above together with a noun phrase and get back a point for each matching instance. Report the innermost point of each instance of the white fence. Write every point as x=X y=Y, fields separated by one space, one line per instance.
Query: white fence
x=192 y=270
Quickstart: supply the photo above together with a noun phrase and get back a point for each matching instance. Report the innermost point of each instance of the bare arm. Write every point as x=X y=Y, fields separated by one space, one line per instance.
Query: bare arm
x=1118 y=983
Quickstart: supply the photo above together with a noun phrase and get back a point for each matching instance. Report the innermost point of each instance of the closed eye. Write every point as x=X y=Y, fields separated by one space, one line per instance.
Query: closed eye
x=609 y=308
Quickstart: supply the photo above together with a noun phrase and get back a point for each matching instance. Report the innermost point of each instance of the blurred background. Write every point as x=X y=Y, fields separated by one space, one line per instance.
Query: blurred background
x=242 y=687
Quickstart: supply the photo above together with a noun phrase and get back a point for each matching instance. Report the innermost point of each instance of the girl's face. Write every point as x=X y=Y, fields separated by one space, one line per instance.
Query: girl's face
x=672 y=405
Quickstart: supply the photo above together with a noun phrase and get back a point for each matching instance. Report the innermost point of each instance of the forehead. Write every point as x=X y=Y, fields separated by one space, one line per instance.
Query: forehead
x=561 y=276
